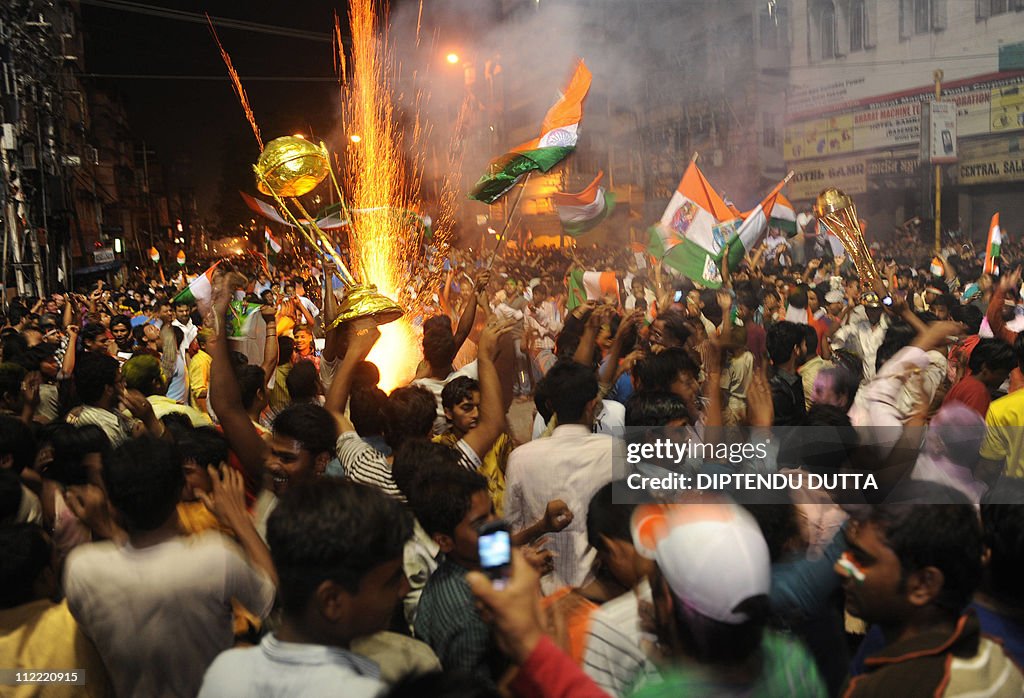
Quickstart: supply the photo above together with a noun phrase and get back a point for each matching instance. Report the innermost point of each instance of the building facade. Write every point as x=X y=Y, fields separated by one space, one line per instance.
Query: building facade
x=860 y=71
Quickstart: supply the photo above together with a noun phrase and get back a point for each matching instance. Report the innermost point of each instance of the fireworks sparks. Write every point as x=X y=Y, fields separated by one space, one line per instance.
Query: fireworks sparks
x=236 y=83
x=380 y=182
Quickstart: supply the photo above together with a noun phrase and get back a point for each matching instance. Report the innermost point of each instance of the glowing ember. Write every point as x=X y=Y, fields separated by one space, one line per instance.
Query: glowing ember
x=383 y=245
x=236 y=83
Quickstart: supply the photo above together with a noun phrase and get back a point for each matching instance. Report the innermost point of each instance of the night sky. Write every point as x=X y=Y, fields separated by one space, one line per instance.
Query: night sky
x=202 y=119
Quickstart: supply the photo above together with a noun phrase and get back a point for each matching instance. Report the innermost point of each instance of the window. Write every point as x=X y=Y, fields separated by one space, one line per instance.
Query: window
x=773 y=26
x=922 y=16
x=770 y=134
x=769 y=32
x=824 y=18
x=998 y=7
x=858 y=21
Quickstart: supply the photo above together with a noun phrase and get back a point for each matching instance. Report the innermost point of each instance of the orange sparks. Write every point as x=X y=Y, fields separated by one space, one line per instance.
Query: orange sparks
x=236 y=82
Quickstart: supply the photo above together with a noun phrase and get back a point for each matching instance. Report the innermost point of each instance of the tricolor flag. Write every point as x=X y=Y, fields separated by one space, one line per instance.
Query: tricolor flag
x=783 y=216
x=242 y=318
x=694 y=229
x=995 y=241
x=581 y=212
x=559 y=133
x=592 y=285
x=755 y=223
x=263 y=208
x=272 y=243
x=200 y=290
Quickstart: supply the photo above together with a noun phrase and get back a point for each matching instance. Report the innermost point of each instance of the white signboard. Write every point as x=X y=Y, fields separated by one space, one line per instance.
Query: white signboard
x=942 y=132
x=103 y=256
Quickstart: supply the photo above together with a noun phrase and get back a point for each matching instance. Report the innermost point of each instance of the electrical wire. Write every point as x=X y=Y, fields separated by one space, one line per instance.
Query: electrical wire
x=200 y=18
x=212 y=78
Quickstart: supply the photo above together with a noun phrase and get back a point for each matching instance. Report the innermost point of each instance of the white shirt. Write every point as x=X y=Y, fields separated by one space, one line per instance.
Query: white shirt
x=571 y=465
x=160 y=615
x=863 y=338
x=614 y=656
x=435 y=386
x=610 y=419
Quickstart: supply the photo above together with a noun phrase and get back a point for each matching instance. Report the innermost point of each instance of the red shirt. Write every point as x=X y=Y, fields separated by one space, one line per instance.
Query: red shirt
x=971 y=392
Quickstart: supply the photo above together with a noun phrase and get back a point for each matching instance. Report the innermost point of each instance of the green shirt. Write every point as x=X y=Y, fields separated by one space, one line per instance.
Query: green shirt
x=787 y=670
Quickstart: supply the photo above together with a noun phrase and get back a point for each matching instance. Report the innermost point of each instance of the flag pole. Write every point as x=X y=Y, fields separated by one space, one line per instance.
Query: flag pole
x=508 y=219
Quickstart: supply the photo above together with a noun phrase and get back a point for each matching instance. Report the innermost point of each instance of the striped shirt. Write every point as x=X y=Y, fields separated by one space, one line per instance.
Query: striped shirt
x=363 y=463
x=613 y=656
x=446 y=619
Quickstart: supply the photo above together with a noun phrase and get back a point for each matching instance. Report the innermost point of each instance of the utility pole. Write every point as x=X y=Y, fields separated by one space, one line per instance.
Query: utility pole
x=938 y=175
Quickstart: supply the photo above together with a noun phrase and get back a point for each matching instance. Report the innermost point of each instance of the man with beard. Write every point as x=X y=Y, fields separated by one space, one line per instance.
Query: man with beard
x=787 y=348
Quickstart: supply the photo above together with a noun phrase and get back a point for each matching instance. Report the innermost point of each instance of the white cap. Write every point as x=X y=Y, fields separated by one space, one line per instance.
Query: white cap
x=713 y=557
x=834 y=297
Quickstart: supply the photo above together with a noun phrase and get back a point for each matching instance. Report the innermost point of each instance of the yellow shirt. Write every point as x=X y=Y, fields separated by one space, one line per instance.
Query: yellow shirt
x=1004 y=438
x=493 y=467
x=44 y=635
x=199 y=376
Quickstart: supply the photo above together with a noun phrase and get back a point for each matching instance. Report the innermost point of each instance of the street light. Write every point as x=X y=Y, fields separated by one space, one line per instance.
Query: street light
x=355 y=138
x=452 y=58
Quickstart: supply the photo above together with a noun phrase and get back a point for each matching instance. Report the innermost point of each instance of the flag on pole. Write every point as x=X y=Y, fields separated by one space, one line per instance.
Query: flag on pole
x=559 y=132
x=199 y=290
x=582 y=212
x=592 y=285
x=755 y=223
x=272 y=242
x=242 y=318
x=264 y=209
x=783 y=216
x=693 y=229
x=995 y=241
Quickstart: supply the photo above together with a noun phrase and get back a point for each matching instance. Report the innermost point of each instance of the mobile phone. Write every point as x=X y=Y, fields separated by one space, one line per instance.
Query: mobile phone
x=495 y=546
x=678 y=297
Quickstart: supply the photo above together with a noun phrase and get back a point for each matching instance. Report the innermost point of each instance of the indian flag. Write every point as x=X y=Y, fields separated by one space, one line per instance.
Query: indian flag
x=592 y=285
x=694 y=229
x=272 y=242
x=582 y=212
x=783 y=216
x=995 y=241
x=242 y=318
x=755 y=223
x=559 y=132
x=200 y=290
x=264 y=209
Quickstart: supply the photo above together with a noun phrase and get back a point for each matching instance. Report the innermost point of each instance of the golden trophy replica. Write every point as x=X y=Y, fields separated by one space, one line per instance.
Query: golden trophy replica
x=838 y=213
x=289 y=167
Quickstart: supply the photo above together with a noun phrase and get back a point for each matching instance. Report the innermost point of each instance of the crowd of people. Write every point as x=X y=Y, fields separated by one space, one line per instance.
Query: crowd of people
x=209 y=494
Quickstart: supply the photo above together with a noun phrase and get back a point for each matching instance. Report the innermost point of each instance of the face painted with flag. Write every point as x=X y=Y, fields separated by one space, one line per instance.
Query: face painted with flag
x=559 y=133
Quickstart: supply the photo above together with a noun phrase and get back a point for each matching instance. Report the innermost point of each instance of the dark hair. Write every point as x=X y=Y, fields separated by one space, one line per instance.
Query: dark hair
x=994 y=353
x=69 y=445
x=13 y=344
x=410 y=413
x=92 y=331
x=285 y=348
x=18 y=440
x=675 y=326
x=311 y=425
x=204 y=445
x=12 y=376
x=898 y=336
x=655 y=408
x=11 y=494
x=844 y=382
x=27 y=552
x=93 y=373
x=569 y=386
x=418 y=459
x=441 y=501
x=659 y=371
x=608 y=518
x=121 y=320
x=1002 y=521
x=810 y=339
x=368 y=409
x=457 y=390
x=970 y=315
x=335 y=530
x=446 y=684
x=946 y=300
x=438 y=341
x=782 y=338
x=144 y=479
x=1018 y=350
x=251 y=380
x=302 y=381
x=930 y=525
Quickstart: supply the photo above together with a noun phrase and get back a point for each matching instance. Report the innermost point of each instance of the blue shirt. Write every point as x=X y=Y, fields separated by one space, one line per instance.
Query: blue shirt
x=276 y=669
